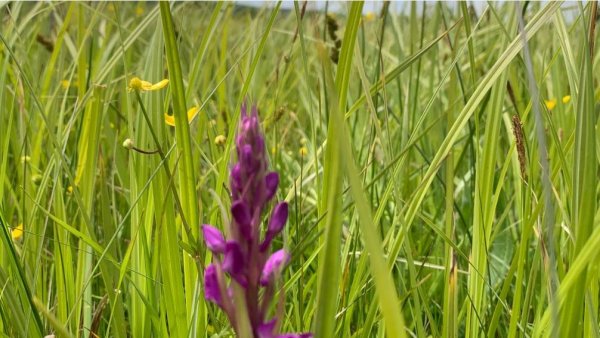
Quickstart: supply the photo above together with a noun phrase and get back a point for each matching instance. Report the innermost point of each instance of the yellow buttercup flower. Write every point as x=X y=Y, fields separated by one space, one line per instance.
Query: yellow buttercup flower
x=138 y=84
x=220 y=140
x=139 y=10
x=550 y=104
x=566 y=99
x=303 y=151
x=65 y=84
x=191 y=114
x=17 y=232
x=370 y=16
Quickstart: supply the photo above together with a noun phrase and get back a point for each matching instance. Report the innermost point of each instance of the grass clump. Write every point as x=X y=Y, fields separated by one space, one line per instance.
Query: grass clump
x=438 y=165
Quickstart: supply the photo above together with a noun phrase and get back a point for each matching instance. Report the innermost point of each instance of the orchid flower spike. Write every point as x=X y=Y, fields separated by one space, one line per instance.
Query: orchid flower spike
x=244 y=258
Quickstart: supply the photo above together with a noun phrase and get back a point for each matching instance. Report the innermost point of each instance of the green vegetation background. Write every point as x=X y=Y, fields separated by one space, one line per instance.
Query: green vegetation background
x=441 y=166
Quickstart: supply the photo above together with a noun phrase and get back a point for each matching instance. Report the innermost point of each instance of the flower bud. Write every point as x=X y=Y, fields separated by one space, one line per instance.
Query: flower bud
x=220 y=140
x=213 y=238
x=212 y=291
x=276 y=223
x=273 y=266
x=128 y=143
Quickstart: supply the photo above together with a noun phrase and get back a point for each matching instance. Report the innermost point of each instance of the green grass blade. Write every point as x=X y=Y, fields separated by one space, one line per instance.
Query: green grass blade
x=585 y=176
x=472 y=104
x=331 y=207
x=189 y=197
x=21 y=284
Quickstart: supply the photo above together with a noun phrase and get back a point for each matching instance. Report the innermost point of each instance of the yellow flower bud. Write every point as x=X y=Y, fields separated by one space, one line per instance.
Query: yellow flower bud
x=220 y=140
x=138 y=84
x=370 y=16
x=566 y=99
x=139 y=10
x=135 y=83
x=17 y=232
x=128 y=143
x=550 y=104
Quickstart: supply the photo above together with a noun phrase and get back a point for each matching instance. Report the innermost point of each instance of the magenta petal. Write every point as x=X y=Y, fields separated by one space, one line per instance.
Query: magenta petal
x=241 y=214
x=213 y=238
x=265 y=330
x=294 y=335
x=236 y=179
x=212 y=290
x=234 y=262
x=259 y=146
x=273 y=266
x=247 y=125
x=239 y=143
x=247 y=156
x=279 y=217
x=271 y=181
x=276 y=223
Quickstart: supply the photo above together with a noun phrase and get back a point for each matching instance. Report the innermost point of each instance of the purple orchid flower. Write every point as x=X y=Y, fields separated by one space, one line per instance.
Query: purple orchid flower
x=244 y=257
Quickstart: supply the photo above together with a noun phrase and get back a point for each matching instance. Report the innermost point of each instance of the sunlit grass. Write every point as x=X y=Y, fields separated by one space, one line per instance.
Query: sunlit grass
x=440 y=165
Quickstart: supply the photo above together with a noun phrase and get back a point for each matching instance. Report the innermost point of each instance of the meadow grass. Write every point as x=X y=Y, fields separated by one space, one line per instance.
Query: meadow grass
x=440 y=165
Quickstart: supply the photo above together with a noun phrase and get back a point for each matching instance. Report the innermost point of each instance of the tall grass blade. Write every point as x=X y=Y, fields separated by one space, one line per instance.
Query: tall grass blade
x=331 y=206
x=189 y=197
x=585 y=176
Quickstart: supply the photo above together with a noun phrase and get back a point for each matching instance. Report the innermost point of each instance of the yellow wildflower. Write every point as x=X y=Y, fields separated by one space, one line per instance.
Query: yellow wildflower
x=370 y=16
x=17 y=232
x=566 y=99
x=70 y=190
x=25 y=159
x=550 y=104
x=220 y=140
x=191 y=114
x=303 y=151
x=139 y=9
x=138 y=84
x=65 y=84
